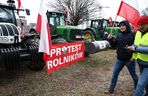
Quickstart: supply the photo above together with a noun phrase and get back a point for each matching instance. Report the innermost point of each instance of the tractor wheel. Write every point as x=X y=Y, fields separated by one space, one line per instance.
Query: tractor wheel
x=89 y=36
x=38 y=63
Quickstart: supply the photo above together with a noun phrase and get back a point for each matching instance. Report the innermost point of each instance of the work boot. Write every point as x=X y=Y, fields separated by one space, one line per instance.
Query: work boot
x=109 y=91
x=146 y=94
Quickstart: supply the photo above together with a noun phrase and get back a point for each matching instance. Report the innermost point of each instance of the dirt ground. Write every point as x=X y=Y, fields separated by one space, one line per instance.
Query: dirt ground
x=86 y=78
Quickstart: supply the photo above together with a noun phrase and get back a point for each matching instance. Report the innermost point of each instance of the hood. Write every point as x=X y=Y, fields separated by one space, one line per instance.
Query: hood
x=126 y=23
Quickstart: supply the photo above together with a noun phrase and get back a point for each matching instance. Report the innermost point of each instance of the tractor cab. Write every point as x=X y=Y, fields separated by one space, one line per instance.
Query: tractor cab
x=7 y=14
x=8 y=25
x=55 y=19
x=103 y=25
x=59 y=29
x=99 y=25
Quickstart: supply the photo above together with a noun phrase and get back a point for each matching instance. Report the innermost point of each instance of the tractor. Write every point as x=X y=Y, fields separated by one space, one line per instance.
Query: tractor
x=61 y=33
x=98 y=27
x=15 y=47
x=59 y=30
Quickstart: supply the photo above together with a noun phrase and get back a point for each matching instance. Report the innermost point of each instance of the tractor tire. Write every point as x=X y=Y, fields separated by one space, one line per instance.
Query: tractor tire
x=88 y=37
x=39 y=63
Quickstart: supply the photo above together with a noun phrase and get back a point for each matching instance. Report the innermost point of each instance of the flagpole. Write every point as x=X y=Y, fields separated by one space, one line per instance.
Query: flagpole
x=116 y=17
x=113 y=24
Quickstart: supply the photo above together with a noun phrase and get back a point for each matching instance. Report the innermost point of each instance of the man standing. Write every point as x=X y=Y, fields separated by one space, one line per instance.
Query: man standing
x=141 y=55
x=123 y=55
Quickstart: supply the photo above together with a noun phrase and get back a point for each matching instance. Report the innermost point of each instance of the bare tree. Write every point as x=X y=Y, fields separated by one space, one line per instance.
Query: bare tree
x=145 y=12
x=79 y=10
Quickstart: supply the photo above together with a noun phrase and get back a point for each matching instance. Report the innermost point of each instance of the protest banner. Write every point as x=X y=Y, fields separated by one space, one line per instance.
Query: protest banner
x=62 y=55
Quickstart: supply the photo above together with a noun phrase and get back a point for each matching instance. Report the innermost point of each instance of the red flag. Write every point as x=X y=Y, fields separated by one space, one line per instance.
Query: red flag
x=110 y=21
x=44 y=29
x=20 y=6
x=130 y=11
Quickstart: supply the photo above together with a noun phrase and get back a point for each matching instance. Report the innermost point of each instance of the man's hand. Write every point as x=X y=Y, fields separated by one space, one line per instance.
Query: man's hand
x=110 y=36
x=132 y=48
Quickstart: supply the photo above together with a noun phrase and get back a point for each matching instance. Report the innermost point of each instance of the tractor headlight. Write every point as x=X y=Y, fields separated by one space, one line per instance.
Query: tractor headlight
x=4 y=39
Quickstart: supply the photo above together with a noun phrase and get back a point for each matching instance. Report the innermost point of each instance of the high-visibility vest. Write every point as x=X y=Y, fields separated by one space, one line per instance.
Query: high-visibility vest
x=141 y=41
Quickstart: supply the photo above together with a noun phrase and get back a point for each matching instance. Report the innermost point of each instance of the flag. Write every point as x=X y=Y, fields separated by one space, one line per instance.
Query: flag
x=110 y=21
x=129 y=10
x=20 y=6
x=43 y=28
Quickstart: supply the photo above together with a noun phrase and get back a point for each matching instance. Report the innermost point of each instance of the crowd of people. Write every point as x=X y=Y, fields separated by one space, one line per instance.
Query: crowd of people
x=132 y=49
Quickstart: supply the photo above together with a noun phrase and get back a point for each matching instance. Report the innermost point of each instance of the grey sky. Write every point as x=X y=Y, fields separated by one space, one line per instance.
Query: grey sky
x=33 y=5
x=113 y=5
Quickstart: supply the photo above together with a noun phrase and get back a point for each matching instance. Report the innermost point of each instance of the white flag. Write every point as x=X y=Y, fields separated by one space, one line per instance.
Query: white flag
x=44 y=29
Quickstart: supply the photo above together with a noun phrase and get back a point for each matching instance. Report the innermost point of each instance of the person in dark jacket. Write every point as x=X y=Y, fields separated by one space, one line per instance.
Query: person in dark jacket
x=126 y=38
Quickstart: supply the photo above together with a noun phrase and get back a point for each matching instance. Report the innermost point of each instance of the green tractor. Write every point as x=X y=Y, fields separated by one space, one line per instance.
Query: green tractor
x=98 y=27
x=61 y=33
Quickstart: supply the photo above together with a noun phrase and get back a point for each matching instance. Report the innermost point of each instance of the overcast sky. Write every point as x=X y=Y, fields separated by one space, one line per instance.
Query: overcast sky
x=33 y=5
x=113 y=5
